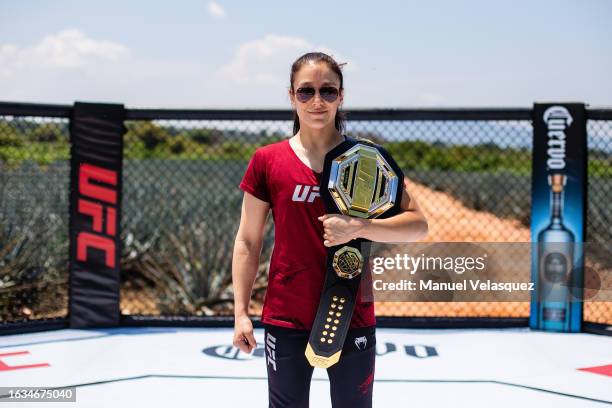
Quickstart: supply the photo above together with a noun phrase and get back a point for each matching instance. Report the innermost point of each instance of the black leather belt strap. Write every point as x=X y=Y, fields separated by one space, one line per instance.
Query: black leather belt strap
x=359 y=179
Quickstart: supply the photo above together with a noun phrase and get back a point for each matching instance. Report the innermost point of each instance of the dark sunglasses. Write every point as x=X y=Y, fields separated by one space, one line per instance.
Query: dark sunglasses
x=306 y=93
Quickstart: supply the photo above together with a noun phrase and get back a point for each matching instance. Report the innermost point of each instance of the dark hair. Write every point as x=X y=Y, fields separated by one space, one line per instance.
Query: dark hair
x=316 y=57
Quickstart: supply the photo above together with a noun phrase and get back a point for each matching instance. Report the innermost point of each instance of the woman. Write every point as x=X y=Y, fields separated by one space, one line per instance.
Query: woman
x=284 y=177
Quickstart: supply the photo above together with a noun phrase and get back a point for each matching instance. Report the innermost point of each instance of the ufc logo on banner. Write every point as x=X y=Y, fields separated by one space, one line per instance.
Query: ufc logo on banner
x=305 y=193
x=103 y=211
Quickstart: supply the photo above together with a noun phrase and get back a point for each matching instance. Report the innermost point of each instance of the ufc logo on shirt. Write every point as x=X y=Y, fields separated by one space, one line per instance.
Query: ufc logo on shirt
x=305 y=193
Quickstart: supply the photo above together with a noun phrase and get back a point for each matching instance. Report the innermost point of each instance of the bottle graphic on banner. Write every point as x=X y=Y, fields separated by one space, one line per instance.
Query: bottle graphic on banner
x=555 y=262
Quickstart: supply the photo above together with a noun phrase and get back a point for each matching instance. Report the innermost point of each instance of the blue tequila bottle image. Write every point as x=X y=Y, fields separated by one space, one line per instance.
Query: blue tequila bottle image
x=555 y=263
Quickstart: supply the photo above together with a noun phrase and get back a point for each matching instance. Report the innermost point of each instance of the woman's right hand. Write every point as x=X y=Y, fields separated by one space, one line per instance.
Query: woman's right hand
x=243 y=334
x=245 y=264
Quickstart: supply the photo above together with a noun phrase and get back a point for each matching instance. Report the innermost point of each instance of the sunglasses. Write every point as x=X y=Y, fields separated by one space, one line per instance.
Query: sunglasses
x=306 y=93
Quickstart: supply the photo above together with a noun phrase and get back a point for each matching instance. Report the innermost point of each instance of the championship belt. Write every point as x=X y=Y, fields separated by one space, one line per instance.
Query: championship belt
x=359 y=179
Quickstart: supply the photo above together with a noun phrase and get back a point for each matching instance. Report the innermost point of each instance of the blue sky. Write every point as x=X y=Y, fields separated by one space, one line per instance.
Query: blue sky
x=237 y=54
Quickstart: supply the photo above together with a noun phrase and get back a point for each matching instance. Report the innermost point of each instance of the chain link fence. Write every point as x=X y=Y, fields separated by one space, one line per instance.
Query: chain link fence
x=181 y=204
x=34 y=182
x=471 y=178
x=599 y=216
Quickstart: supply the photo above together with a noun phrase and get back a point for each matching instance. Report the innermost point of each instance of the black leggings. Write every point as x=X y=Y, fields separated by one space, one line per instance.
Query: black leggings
x=289 y=373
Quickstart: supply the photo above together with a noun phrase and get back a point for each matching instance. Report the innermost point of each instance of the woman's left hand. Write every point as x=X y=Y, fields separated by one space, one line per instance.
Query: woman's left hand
x=338 y=229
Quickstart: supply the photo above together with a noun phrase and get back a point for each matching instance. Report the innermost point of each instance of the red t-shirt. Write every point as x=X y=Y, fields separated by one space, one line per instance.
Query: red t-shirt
x=297 y=268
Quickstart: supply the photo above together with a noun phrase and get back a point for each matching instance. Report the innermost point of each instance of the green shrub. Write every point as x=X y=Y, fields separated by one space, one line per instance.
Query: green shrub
x=11 y=140
x=204 y=136
x=233 y=149
x=47 y=133
x=148 y=133
x=178 y=144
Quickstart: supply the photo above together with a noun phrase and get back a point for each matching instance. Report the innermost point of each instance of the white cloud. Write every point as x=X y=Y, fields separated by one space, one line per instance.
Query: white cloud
x=69 y=65
x=216 y=10
x=66 y=50
x=261 y=68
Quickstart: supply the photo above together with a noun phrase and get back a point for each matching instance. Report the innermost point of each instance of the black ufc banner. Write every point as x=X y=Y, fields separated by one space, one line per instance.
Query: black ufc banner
x=558 y=215
x=96 y=136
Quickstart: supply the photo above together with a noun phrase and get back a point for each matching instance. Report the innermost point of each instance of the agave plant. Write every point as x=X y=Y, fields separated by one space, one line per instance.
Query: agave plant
x=33 y=266
x=180 y=248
